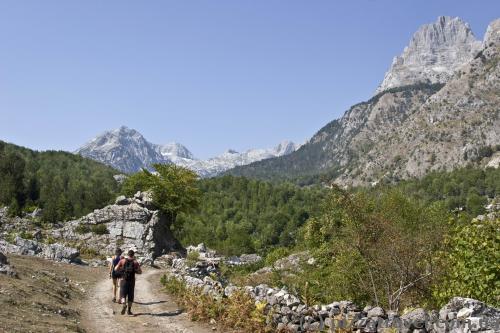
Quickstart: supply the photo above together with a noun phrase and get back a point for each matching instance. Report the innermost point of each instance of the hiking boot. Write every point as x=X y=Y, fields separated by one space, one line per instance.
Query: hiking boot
x=129 y=312
x=124 y=308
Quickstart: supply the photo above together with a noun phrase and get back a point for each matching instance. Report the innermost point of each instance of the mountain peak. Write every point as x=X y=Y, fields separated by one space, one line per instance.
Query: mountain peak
x=285 y=147
x=124 y=149
x=174 y=149
x=434 y=53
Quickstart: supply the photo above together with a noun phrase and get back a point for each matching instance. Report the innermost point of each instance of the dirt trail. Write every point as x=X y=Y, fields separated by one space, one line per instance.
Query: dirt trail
x=154 y=311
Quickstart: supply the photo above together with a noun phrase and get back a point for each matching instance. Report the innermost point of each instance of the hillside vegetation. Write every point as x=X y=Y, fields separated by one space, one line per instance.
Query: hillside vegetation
x=238 y=215
x=64 y=185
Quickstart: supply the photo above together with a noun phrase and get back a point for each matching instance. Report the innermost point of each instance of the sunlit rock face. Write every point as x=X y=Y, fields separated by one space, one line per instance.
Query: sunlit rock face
x=435 y=52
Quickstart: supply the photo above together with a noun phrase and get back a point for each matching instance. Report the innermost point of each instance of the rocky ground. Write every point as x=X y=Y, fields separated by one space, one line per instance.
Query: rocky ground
x=46 y=296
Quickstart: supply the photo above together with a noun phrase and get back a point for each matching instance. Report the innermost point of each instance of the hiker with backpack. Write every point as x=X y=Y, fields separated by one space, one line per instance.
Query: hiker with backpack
x=113 y=273
x=128 y=267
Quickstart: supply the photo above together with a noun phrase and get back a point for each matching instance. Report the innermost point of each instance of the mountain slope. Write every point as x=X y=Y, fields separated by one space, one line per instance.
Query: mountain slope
x=405 y=131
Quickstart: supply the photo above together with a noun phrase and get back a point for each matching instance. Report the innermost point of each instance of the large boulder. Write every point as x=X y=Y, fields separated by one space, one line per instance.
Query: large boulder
x=131 y=223
x=5 y=268
x=3 y=259
x=21 y=246
x=59 y=252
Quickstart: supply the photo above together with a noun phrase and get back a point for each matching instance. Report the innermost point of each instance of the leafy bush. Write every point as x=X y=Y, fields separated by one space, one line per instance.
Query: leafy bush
x=174 y=188
x=192 y=258
x=276 y=254
x=373 y=248
x=26 y=235
x=472 y=259
x=82 y=229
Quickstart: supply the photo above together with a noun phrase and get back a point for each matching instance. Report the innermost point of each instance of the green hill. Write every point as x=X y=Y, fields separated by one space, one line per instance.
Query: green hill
x=64 y=185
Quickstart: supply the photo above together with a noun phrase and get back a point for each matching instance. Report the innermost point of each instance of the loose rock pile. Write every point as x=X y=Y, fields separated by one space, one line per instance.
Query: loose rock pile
x=57 y=252
x=285 y=311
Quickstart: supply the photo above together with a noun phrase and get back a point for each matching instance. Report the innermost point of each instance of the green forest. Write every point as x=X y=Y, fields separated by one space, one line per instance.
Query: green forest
x=239 y=215
x=64 y=185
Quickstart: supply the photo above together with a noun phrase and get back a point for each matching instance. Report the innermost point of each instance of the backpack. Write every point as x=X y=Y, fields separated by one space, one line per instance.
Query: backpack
x=129 y=270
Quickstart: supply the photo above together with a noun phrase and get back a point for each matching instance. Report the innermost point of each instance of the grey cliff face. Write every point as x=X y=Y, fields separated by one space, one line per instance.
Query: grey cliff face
x=435 y=52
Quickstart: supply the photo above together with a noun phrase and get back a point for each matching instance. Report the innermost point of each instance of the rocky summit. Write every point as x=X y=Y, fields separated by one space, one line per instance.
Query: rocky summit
x=435 y=52
x=124 y=149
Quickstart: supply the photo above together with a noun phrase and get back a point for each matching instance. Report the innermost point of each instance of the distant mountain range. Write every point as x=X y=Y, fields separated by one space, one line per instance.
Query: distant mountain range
x=437 y=108
x=128 y=151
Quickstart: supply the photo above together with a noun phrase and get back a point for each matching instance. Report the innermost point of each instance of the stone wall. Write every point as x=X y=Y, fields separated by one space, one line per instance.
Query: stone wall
x=286 y=312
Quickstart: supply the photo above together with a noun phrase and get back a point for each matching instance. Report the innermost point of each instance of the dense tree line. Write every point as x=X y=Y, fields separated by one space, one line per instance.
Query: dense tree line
x=64 y=185
x=465 y=189
x=238 y=215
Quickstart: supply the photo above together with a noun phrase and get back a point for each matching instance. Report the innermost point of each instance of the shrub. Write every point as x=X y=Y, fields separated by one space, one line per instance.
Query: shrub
x=26 y=235
x=472 y=260
x=238 y=312
x=192 y=258
x=82 y=229
x=373 y=248
x=99 y=229
x=275 y=255
x=88 y=253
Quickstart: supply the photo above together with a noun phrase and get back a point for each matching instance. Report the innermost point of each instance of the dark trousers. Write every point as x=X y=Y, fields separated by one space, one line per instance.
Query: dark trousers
x=127 y=289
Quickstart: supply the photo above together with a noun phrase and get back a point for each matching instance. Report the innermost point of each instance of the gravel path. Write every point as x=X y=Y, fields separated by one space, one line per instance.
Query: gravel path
x=154 y=310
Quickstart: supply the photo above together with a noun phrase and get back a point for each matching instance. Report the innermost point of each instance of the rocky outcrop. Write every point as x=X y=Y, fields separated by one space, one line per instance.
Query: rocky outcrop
x=56 y=251
x=130 y=223
x=435 y=52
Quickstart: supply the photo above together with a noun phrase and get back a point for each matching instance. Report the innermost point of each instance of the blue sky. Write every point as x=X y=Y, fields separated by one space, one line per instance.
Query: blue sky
x=209 y=74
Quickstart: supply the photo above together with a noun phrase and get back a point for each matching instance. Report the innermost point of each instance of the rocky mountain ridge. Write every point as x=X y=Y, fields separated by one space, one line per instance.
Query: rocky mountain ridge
x=128 y=151
x=406 y=131
x=434 y=53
